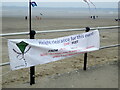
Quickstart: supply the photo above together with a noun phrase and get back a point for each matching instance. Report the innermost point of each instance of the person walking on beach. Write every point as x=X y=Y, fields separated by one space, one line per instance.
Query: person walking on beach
x=25 y=17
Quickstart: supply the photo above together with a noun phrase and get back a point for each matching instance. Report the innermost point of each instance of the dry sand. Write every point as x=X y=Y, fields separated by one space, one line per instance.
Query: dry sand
x=20 y=78
x=103 y=76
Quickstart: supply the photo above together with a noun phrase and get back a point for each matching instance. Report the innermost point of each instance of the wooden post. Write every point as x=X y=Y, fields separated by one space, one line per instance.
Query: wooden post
x=85 y=55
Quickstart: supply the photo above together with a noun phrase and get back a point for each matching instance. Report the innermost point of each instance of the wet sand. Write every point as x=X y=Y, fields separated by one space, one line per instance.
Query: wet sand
x=20 y=78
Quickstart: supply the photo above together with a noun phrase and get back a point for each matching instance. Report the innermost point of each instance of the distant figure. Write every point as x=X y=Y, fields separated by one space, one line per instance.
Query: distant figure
x=38 y=18
x=93 y=17
x=117 y=19
x=25 y=17
x=90 y=16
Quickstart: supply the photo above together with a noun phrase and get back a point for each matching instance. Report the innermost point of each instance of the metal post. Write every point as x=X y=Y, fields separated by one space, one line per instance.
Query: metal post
x=85 y=55
x=32 y=34
x=30 y=17
x=32 y=69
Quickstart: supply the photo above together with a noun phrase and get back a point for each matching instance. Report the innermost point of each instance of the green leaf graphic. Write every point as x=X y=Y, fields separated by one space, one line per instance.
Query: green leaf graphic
x=22 y=45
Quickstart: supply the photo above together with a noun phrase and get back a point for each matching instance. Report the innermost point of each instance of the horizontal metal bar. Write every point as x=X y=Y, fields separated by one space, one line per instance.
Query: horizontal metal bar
x=60 y=30
x=109 y=27
x=14 y=34
x=104 y=47
x=110 y=46
x=4 y=64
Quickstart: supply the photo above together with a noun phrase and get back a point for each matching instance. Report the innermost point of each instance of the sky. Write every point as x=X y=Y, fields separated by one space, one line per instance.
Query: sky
x=59 y=0
x=70 y=3
x=64 y=4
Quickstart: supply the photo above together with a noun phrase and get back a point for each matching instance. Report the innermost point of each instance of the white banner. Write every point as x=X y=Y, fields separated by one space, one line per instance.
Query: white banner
x=30 y=52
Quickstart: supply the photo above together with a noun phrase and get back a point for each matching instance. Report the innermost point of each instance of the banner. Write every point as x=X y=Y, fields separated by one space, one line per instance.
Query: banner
x=25 y=53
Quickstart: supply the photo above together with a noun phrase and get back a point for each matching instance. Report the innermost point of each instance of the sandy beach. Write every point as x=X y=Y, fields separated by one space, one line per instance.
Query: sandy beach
x=60 y=69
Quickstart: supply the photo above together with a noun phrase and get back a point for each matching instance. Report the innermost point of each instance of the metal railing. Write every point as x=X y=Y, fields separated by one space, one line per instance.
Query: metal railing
x=62 y=30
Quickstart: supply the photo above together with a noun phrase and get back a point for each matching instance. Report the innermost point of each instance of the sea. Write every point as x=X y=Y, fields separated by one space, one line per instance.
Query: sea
x=59 y=12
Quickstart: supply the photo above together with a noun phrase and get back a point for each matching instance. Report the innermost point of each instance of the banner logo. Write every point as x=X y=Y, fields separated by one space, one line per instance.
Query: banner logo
x=22 y=47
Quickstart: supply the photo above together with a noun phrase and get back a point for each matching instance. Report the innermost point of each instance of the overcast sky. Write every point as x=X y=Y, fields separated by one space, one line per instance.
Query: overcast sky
x=43 y=3
x=60 y=0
